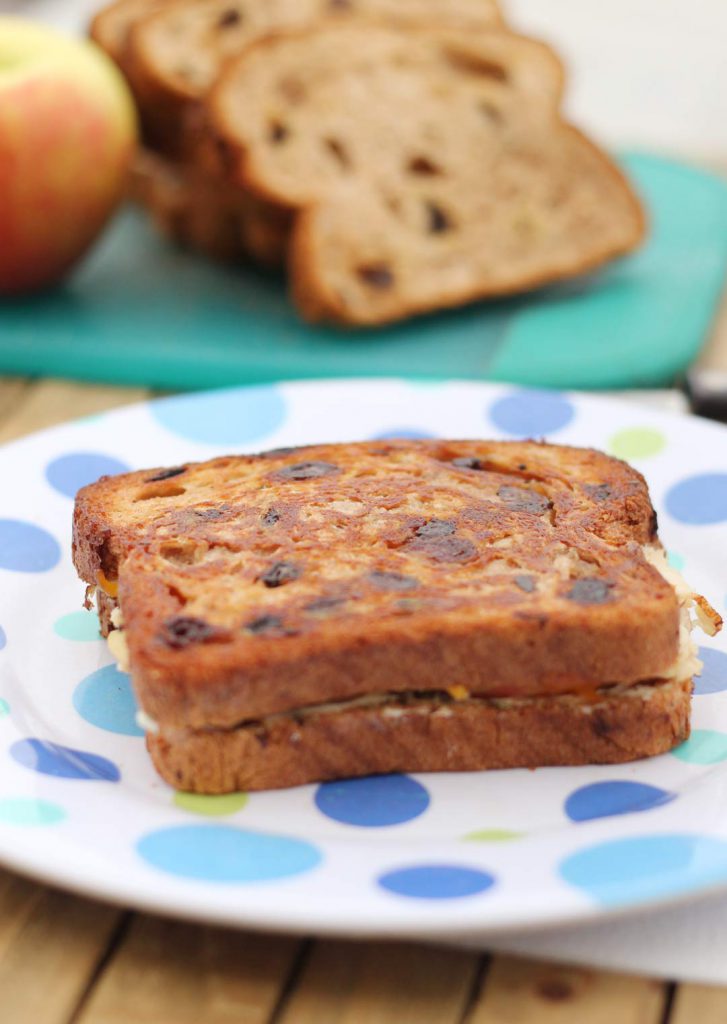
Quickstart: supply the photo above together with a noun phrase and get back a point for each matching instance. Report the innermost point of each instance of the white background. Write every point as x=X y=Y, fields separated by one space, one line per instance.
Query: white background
x=644 y=73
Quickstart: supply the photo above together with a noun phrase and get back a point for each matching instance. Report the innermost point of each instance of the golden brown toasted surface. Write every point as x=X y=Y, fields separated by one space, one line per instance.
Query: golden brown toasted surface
x=257 y=584
x=428 y=167
x=424 y=735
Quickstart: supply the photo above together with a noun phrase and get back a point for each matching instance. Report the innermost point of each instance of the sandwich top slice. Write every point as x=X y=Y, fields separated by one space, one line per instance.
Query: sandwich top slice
x=345 y=609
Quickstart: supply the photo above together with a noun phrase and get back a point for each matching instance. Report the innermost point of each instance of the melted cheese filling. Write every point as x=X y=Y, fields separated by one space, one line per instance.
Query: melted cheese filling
x=687 y=662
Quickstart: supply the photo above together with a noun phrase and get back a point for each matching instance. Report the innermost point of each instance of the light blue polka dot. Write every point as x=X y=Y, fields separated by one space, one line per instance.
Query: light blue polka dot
x=25 y=547
x=4 y=708
x=28 y=812
x=635 y=870
x=3 y=638
x=699 y=500
x=222 y=853
x=81 y=626
x=69 y=473
x=63 y=762
x=704 y=746
x=531 y=413
x=105 y=699
x=713 y=677
x=373 y=802
x=605 y=799
x=403 y=434
x=231 y=417
x=437 y=881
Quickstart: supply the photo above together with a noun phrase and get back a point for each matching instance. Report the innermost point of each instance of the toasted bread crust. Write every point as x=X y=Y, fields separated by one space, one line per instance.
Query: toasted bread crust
x=506 y=568
x=466 y=736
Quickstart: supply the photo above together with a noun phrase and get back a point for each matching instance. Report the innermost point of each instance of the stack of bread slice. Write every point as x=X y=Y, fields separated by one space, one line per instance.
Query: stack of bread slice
x=398 y=156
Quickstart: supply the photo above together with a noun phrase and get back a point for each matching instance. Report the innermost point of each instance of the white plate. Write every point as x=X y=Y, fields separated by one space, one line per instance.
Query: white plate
x=424 y=856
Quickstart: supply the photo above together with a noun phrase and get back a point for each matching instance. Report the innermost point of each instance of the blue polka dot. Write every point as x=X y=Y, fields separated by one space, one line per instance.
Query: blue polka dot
x=63 y=762
x=4 y=708
x=437 y=882
x=105 y=699
x=222 y=853
x=403 y=434
x=531 y=413
x=627 y=871
x=25 y=547
x=69 y=473
x=223 y=417
x=713 y=677
x=3 y=638
x=605 y=799
x=699 y=500
x=373 y=802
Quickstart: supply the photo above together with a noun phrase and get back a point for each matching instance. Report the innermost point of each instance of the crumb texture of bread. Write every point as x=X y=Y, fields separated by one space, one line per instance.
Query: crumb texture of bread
x=252 y=585
x=467 y=736
x=428 y=167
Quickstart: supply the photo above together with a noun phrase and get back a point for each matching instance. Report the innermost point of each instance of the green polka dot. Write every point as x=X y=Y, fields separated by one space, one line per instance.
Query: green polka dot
x=704 y=746
x=675 y=561
x=4 y=708
x=81 y=625
x=493 y=835
x=211 y=806
x=30 y=812
x=637 y=443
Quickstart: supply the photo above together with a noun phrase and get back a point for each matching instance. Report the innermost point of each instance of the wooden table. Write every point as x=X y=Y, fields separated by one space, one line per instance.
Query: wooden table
x=66 y=960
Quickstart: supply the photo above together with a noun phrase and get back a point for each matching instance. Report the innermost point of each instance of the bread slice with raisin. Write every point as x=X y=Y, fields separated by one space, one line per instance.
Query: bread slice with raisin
x=181 y=49
x=344 y=609
x=427 y=168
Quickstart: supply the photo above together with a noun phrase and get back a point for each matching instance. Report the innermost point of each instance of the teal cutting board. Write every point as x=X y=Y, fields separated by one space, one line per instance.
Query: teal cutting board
x=140 y=311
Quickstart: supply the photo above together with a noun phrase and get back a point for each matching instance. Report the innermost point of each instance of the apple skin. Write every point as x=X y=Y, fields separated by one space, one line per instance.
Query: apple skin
x=67 y=135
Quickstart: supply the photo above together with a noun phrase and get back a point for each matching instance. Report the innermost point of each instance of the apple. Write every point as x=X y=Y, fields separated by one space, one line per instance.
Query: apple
x=67 y=135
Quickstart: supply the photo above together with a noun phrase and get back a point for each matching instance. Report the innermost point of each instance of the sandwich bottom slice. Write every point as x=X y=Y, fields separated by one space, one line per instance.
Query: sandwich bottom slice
x=425 y=732
x=313 y=614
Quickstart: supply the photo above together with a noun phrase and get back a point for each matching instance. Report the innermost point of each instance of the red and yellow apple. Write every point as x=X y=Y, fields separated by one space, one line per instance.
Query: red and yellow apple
x=67 y=135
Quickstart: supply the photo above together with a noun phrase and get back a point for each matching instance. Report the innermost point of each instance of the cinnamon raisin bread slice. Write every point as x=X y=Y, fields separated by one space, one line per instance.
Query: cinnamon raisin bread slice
x=179 y=52
x=428 y=168
x=184 y=47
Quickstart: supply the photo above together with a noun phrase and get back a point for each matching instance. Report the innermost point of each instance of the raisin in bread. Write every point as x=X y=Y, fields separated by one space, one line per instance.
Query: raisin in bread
x=468 y=588
x=428 y=168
